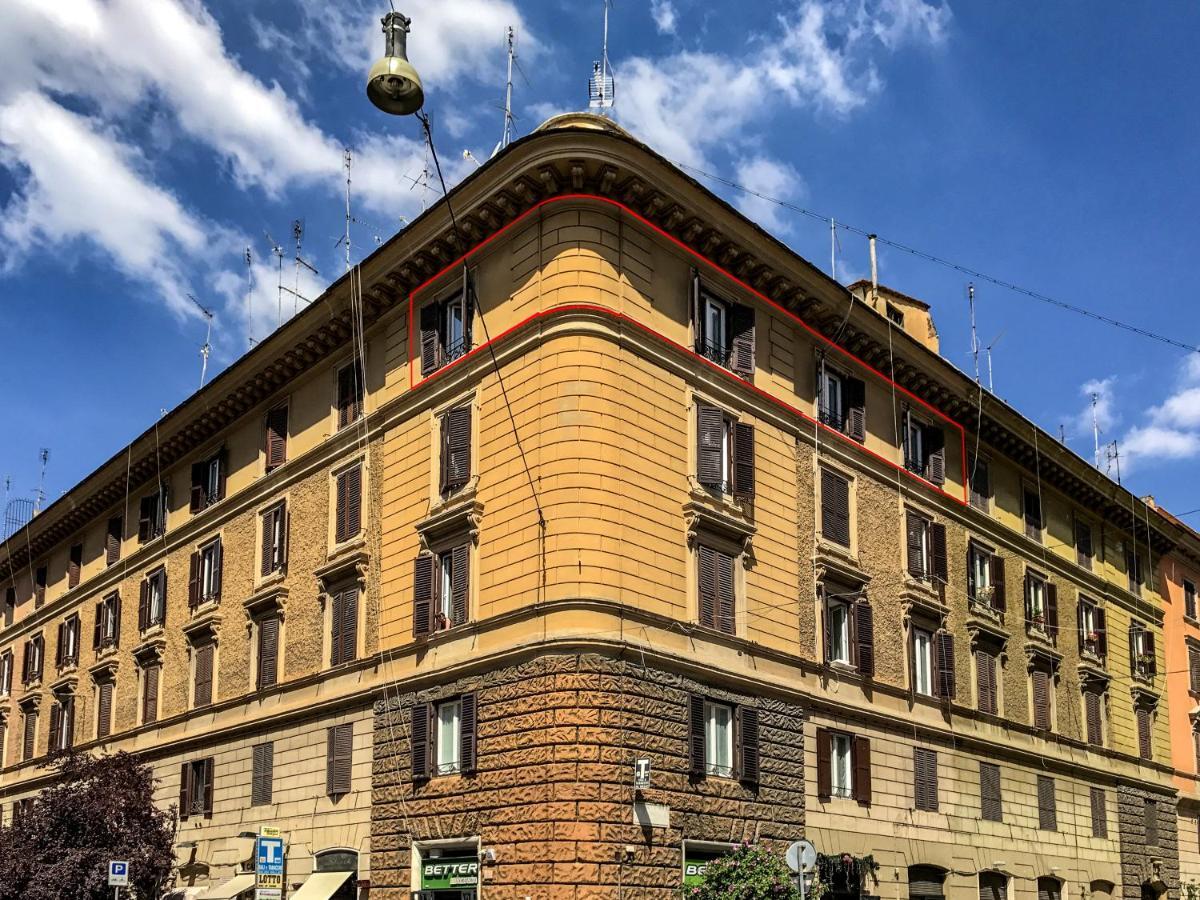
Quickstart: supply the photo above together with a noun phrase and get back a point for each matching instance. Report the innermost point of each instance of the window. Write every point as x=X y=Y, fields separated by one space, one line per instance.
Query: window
x=715 y=584
x=275 y=436
x=274 y=539
x=262 y=773
x=152 y=602
x=31 y=669
x=835 y=507
x=837 y=636
x=348 y=504
x=1093 y=630
x=151 y=675
x=922 y=655
x=62 y=723
x=987 y=688
x=718 y=739
x=268 y=651
x=1093 y=708
x=1145 y=722
x=112 y=540
x=1150 y=822
x=991 y=806
x=1141 y=650
x=152 y=519
x=841 y=401
x=107 y=630
x=1041 y=682
x=1041 y=605
x=349 y=394
x=29 y=744
x=104 y=708
x=981 y=484
x=1196 y=748
x=925 y=779
x=1194 y=669
x=926 y=548
x=446 y=328
x=441 y=589
x=1099 y=813
x=1083 y=543
x=924 y=449
x=849 y=624
x=196 y=789
x=455 y=466
x=6 y=673
x=202 y=687
x=1189 y=599
x=68 y=642
x=204 y=580
x=985 y=578
x=10 y=605
x=895 y=316
x=843 y=766
x=443 y=737
x=1047 y=814
x=74 y=565
x=724 y=331
x=724 y=452
x=39 y=586
x=1133 y=568
x=208 y=481
x=343 y=622
x=1032 y=514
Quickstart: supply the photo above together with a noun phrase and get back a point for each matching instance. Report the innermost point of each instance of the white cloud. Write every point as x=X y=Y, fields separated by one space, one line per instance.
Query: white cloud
x=773 y=179
x=1156 y=442
x=1105 y=413
x=664 y=15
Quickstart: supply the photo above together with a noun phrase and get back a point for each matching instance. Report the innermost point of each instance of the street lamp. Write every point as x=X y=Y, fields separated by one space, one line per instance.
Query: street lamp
x=393 y=84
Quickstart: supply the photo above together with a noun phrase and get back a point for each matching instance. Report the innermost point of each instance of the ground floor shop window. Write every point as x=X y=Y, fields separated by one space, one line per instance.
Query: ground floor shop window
x=448 y=873
x=696 y=857
x=335 y=863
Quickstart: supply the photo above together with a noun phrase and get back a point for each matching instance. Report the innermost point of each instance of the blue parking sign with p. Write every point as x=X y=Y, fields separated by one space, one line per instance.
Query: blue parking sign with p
x=118 y=873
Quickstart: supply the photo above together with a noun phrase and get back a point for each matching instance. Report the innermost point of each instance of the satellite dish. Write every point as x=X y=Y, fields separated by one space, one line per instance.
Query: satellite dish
x=801 y=857
x=393 y=84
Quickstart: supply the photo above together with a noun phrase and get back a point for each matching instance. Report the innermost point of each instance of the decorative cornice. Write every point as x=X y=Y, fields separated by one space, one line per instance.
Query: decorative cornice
x=461 y=515
x=348 y=565
x=269 y=599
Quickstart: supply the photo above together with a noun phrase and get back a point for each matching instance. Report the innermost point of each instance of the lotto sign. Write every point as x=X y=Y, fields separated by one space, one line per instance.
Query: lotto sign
x=268 y=869
x=450 y=873
x=118 y=874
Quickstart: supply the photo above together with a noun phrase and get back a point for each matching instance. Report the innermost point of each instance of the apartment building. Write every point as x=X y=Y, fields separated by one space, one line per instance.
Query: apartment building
x=638 y=489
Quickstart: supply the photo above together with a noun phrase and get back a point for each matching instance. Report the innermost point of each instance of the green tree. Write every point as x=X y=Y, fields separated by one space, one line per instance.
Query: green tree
x=96 y=810
x=751 y=872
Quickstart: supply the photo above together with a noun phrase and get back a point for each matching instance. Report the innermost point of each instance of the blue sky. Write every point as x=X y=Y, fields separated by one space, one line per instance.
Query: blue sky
x=144 y=144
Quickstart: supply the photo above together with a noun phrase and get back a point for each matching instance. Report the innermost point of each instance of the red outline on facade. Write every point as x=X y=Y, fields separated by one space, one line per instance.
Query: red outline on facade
x=724 y=372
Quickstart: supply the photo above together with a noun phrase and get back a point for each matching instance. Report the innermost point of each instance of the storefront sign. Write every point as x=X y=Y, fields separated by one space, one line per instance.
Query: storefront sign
x=449 y=872
x=695 y=862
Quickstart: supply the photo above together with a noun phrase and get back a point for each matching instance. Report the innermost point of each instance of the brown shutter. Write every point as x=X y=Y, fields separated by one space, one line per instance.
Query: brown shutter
x=1102 y=628
x=420 y=741
x=104 y=713
x=856 y=409
x=199 y=479
x=748 y=744
x=1194 y=669
x=349 y=625
x=263 y=774
x=268 y=542
x=1047 y=814
x=862 y=770
x=185 y=791
x=336 y=616
x=345 y=396
x=1092 y=707
x=460 y=583
x=710 y=436
x=864 y=629
x=741 y=345
x=726 y=616
x=935 y=448
x=194 y=579
x=991 y=806
x=1099 y=813
x=1083 y=544
x=209 y=778
x=824 y=767
x=937 y=543
x=268 y=651
x=204 y=674
x=1151 y=823
x=339 y=757
x=456 y=448
x=1041 y=699
x=1052 y=610
x=925 y=779
x=944 y=652
x=150 y=695
x=112 y=540
x=1149 y=641
x=429 y=338
x=1145 y=748
x=341 y=529
x=218 y=565
x=275 y=450
x=835 y=508
x=697 y=748
x=423 y=594
x=915 y=526
x=743 y=461
x=144 y=605
x=146 y=518
x=55 y=728
x=59 y=656
x=985 y=678
x=467 y=730
x=222 y=472
x=30 y=742
x=707 y=586
x=74 y=565
x=998 y=601
x=353 y=500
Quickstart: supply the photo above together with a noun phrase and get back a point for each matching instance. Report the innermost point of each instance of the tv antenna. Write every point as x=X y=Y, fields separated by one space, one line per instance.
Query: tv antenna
x=249 y=302
x=1112 y=452
x=470 y=157
x=988 y=351
x=207 y=348
x=44 y=456
x=301 y=262
x=422 y=180
x=974 y=333
x=346 y=161
x=1096 y=426
x=506 y=136
x=601 y=86
x=277 y=249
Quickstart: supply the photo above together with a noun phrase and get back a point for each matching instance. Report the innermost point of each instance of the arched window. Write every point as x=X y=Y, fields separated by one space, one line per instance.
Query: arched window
x=1049 y=888
x=992 y=886
x=926 y=883
x=340 y=861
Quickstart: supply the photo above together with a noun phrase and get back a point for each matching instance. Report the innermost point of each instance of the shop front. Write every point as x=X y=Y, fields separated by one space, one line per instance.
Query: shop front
x=447 y=873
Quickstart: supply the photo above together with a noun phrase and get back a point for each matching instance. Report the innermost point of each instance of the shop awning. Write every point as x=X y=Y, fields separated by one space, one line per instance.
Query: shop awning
x=321 y=885
x=230 y=888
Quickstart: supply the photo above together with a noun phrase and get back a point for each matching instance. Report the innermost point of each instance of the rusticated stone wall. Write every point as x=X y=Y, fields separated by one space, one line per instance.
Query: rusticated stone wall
x=1149 y=863
x=553 y=795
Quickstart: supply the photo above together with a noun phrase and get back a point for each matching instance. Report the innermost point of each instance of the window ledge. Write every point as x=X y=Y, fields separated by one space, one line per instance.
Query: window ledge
x=266 y=582
x=984 y=613
x=344 y=550
x=462 y=513
x=149 y=651
x=205 y=625
x=348 y=564
x=106 y=651
x=1091 y=671
x=106 y=669
x=837 y=562
x=1040 y=653
x=68 y=668
x=722 y=520
x=842 y=668
x=153 y=630
x=267 y=600
x=204 y=607
x=1192 y=620
x=65 y=684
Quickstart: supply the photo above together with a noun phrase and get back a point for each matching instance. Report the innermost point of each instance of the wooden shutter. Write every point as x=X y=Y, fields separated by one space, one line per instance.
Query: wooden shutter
x=456 y=448
x=55 y=728
x=1083 y=543
x=263 y=774
x=423 y=567
x=207 y=767
x=856 y=409
x=935 y=449
x=981 y=489
x=350 y=503
x=915 y=528
x=741 y=344
x=726 y=615
x=835 y=507
x=1099 y=813
x=460 y=583
x=112 y=540
x=944 y=647
x=204 y=672
x=185 y=791
x=60 y=646
x=998 y=602
x=268 y=543
x=144 y=605
x=268 y=651
x=336 y=602
x=710 y=437
x=925 y=779
x=146 y=518
x=1041 y=699
x=1047 y=814
x=706 y=581
x=218 y=566
x=992 y=886
x=864 y=631
x=150 y=694
x=748 y=744
x=991 y=807
x=1093 y=709
x=74 y=565
x=30 y=737
x=1148 y=640
x=104 y=712
x=275 y=449
x=1052 y=610
x=339 y=749
x=347 y=399
x=194 y=580
x=697 y=748
x=468 y=706
x=697 y=312
x=824 y=764
x=349 y=624
x=1150 y=809
x=199 y=495
x=429 y=338
x=985 y=676
x=937 y=544
x=420 y=741
x=862 y=770
x=1145 y=748
x=1194 y=669
x=222 y=460
x=743 y=461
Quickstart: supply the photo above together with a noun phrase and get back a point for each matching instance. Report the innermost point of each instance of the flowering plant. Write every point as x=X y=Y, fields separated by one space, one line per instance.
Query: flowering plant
x=751 y=872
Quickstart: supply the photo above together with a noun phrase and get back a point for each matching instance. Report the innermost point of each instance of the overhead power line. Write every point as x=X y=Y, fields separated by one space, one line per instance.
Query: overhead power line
x=949 y=264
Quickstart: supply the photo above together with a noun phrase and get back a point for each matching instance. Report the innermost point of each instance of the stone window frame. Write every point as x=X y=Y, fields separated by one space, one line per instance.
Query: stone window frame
x=438 y=498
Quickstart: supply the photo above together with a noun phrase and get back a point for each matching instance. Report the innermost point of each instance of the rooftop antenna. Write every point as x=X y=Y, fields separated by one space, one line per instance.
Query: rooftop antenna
x=874 y=274
x=1096 y=426
x=974 y=333
x=506 y=136
x=601 y=87
x=249 y=294
x=1113 y=452
x=207 y=348
x=346 y=162
x=988 y=350
x=834 y=246
x=468 y=155
x=44 y=456
x=277 y=249
x=300 y=261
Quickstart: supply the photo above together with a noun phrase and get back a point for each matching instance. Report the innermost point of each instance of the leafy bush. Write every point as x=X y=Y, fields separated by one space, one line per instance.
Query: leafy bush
x=751 y=872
